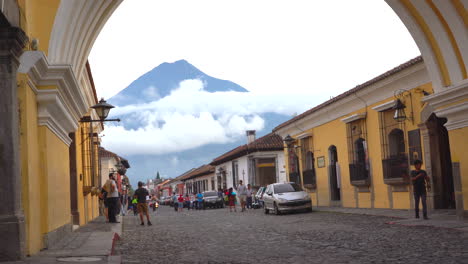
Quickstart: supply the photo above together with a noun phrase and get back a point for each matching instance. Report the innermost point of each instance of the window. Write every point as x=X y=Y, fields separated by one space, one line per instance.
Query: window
x=235 y=173
x=357 y=152
x=395 y=156
x=308 y=170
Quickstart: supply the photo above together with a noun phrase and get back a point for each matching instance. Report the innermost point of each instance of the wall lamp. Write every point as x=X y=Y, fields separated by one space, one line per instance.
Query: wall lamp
x=102 y=110
x=399 y=107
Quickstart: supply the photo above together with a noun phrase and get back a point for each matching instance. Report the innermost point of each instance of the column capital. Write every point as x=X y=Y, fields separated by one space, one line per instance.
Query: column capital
x=12 y=41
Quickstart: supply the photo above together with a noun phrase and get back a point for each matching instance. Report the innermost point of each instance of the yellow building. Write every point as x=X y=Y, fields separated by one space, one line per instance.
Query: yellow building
x=352 y=151
x=45 y=90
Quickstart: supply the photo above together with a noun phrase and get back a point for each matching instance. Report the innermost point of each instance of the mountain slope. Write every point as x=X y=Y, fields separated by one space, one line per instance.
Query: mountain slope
x=160 y=81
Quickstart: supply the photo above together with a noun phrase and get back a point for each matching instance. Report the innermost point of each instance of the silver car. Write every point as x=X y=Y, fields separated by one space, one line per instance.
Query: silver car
x=283 y=197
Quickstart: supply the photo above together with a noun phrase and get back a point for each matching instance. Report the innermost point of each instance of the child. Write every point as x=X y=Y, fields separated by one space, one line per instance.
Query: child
x=419 y=178
x=134 y=204
x=232 y=200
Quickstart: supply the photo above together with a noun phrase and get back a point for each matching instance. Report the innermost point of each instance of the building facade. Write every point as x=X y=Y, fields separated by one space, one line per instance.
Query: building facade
x=357 y=151
x=259 y=163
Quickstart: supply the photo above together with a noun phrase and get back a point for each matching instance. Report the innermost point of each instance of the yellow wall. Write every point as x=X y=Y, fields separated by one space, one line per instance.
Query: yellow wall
x=38 y=19
x=458 y=150
x=55 y=179
x=31 y=193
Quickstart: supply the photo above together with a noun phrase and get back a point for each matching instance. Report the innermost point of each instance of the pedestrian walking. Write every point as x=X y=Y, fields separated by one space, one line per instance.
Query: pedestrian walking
x=175 y=202
x=232 y=200
x=200 y=201
x=180 y=203
x=112 y=198
x=141 y=194
x=420 y=178
x=242 y=192
x=249 y=196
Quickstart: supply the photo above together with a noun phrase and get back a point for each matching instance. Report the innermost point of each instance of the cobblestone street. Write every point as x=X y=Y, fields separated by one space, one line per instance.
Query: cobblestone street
x=217 y=236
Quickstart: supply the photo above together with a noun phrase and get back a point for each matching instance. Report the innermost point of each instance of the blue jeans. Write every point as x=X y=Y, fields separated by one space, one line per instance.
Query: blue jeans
x=422 y=197
x=200 y=204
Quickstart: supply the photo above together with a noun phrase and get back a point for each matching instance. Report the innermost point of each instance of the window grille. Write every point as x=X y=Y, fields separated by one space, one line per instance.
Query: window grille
x=357 y=152
x=235 y=173
x=394 y=153
x=308 y=161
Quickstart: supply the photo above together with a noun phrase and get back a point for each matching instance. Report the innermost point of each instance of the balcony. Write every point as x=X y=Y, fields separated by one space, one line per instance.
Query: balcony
x=310 y=179
x=359 y=174
x=395 y=170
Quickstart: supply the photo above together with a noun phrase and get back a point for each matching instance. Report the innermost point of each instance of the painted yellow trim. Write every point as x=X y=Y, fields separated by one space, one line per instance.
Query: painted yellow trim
x=264 y=165
x=461 y=11
x=432 y=40
x=451 y=37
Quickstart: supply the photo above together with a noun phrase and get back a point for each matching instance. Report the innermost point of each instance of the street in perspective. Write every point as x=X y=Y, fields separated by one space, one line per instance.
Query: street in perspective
x=207 y=131
x=218 y=236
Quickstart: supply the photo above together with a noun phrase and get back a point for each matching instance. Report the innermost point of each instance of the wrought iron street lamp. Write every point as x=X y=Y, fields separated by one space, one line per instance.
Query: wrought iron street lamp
x=400 y=115
x=102 y=110
x=288 y=140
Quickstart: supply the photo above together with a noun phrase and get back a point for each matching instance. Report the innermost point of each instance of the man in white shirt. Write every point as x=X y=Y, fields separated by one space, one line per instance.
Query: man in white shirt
x=242 y=192
x=112 y=198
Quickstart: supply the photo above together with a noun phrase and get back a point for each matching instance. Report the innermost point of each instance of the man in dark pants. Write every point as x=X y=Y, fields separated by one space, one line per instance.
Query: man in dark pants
x=112 y=198
x=419 y=178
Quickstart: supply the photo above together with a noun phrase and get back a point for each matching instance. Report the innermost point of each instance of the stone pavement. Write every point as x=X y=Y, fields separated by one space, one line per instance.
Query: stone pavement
x=92 y=243
x=437 y=218
x=217 y=236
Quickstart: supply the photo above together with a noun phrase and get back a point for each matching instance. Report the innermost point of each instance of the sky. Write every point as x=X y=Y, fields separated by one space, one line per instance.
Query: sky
x=291 y=55
x=267 y=46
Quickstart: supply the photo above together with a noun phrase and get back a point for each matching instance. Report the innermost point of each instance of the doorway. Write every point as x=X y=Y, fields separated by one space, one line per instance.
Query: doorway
x=441 y=163
x=333 y=174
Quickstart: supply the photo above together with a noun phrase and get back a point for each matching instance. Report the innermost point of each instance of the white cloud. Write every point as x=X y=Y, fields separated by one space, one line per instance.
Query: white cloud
x=191 y=117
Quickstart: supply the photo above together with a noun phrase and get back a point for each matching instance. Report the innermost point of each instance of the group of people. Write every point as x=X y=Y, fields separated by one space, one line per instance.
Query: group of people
x=114 y=202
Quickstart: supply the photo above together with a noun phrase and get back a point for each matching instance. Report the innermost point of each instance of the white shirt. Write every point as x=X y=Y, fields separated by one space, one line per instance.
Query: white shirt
x=115 y=193
x=242 y=190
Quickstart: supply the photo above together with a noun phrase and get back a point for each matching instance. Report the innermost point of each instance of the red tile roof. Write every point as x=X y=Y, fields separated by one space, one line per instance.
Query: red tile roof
x=199 y=172
x=387 y=74
x=269 y=142
x=109 y=154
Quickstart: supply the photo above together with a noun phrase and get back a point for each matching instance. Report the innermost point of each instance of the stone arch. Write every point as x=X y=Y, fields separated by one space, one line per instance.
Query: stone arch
x=77 y=25
x=439 y=28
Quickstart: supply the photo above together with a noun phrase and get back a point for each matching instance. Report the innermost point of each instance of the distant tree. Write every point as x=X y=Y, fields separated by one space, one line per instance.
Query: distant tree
x=157 y=176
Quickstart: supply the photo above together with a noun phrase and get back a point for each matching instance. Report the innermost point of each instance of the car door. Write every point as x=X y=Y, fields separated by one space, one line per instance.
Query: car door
x=267 y=197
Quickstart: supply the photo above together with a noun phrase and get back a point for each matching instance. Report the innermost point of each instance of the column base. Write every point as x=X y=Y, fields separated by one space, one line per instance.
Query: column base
x=12 y=244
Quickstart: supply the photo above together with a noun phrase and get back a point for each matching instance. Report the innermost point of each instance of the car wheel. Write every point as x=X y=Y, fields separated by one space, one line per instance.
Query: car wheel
x=277 y=211
x=265 y=210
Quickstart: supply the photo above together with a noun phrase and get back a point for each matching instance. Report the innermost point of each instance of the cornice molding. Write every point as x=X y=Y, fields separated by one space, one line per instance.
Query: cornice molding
x=384 y=106
x=53 y=114
x=354 y=117
x=36 y=65
x=456 y=115
x=448 y=96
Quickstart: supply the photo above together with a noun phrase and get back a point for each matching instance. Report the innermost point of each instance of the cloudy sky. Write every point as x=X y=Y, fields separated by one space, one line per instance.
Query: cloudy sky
x=290 y=54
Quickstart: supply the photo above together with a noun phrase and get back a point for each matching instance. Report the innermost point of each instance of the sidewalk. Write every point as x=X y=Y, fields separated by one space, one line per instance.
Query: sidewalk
x=92 y=243
x=437 y=218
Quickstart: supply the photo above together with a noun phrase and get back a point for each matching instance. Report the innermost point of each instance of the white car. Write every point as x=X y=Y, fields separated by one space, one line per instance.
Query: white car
x=285 y=197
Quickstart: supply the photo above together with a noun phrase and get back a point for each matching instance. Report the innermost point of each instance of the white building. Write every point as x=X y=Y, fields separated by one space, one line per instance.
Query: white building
x=259 y=162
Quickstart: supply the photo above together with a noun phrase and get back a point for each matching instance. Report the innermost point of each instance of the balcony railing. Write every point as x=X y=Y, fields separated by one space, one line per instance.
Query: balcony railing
x=310 y=179
x=395 y=170
x=359 y=174
x=295 y=177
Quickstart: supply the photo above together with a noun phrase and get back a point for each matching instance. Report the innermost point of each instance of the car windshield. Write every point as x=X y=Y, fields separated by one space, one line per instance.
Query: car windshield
x=208 y=194
x=287 y=187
